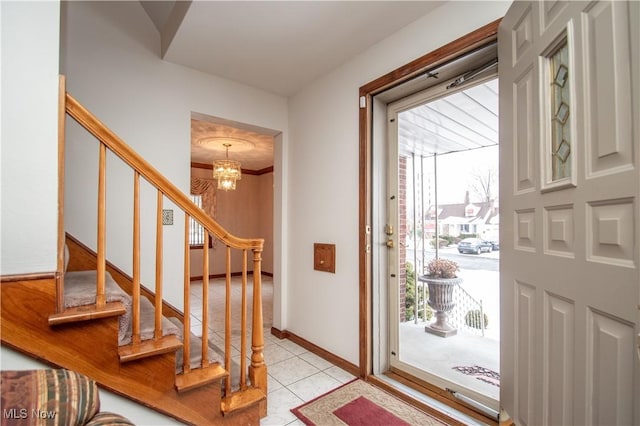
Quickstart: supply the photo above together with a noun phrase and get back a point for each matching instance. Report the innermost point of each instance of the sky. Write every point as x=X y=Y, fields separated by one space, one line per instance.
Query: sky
x=455 y=172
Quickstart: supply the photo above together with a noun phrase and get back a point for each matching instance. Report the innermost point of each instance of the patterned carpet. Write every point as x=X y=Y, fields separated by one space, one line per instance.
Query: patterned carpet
x=358 y=403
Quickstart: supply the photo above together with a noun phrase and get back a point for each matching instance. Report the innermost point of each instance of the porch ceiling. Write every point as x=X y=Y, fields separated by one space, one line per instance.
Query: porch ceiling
x=462 y=121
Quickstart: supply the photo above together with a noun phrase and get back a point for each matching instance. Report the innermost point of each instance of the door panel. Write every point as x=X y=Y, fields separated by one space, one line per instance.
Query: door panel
x=569 y=228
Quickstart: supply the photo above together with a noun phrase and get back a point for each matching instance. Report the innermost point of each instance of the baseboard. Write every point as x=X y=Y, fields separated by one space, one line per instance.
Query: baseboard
x=313 y=348
x=27 y=277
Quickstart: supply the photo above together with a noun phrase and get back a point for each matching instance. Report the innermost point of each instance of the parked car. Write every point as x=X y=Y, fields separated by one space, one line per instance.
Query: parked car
x=495 y=245
x=474 y=245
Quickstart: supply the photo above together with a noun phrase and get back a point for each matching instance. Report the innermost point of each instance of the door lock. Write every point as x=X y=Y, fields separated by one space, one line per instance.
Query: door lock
x=388 y=229
x=390 y=243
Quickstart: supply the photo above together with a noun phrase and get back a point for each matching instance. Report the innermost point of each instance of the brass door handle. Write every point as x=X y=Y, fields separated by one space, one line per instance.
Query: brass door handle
x=390 y=243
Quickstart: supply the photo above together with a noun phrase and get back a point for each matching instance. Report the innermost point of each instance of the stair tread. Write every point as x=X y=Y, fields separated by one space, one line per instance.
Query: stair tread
x=147 y=324
x=87 y=312
x=147 y=348
x=200 y=376
x=80 y=288
x=195 y=347
x=242 y=399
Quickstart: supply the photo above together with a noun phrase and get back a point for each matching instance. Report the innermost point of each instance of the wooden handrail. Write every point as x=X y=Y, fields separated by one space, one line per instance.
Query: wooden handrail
x=90 y=122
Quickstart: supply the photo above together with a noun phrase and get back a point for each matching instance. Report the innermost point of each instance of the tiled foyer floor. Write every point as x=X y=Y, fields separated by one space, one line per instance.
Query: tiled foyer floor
x=295 y=375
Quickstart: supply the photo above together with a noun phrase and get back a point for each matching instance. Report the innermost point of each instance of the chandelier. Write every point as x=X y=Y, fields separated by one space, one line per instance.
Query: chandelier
x=227 y=171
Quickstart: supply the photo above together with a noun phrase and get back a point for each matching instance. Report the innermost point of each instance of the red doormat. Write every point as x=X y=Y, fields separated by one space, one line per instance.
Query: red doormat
x=358 y=403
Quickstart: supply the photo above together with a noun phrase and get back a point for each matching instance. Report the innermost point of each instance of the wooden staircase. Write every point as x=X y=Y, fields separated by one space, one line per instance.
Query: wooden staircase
x=41 y=320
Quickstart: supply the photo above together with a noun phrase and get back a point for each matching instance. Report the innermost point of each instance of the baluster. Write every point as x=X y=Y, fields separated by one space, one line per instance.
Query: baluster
x=186 y=348
x=158 y=304
x=257 y=371
x=205 y=299
x=62 y=105
x=243 y=325
x=136 y=259
x=102 y=215
x=227 y=321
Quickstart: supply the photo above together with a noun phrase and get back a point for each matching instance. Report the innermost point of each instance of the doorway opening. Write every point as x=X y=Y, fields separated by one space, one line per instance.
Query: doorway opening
x=443 y=201
x=400 y=135
x=248 y=210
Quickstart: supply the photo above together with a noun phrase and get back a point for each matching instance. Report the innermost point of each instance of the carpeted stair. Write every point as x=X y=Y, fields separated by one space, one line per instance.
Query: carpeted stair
x=80 y=290
x=195 y=355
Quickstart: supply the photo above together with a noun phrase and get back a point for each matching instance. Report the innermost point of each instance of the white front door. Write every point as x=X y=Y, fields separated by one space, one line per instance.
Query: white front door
x=569 y=220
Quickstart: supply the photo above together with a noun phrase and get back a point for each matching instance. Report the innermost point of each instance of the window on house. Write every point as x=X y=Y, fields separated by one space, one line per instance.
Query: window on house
x=196 y=231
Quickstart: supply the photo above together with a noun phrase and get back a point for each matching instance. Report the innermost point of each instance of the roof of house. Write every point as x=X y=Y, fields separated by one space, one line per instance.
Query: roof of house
x=486 y=212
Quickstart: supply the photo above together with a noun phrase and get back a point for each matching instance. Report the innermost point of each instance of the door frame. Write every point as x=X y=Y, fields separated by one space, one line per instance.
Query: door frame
x=457 y=48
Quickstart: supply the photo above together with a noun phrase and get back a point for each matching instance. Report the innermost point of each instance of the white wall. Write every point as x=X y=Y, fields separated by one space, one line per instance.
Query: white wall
x=110 y=54
x=30 y=34
x=323 y=175
x=109 y=401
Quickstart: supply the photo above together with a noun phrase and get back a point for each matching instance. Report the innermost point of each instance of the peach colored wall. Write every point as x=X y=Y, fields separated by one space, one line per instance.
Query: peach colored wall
x=246 y=212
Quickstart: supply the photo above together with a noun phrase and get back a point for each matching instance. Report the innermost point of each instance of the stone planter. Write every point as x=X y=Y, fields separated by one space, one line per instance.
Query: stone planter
x=441 y=299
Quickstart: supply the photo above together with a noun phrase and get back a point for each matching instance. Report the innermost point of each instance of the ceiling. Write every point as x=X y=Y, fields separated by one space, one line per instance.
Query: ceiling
x=461 y=121
x=276 y=46
x=282 y=46
x=254 y=149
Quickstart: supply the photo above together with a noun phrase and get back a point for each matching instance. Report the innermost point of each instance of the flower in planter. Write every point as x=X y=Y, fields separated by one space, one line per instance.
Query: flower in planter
x=442 y=268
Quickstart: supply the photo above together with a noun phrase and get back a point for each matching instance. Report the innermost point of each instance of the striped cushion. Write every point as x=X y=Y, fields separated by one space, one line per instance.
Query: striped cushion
x=48 y=397
x=106 y=418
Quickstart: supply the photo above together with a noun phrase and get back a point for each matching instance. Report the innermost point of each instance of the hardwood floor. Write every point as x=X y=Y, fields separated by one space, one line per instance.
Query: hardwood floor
x=91 y=348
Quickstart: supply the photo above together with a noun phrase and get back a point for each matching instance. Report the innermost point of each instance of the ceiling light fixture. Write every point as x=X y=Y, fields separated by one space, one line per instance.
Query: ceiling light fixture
x=227 y=171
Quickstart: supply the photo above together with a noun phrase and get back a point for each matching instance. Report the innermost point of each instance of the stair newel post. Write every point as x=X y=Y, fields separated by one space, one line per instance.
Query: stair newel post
x=136 y=259
x=243 y=325
x=205 y=297
x=159 y=238
x=102 y=215
x=258 y=369
x=227 y=321
x=186 y=348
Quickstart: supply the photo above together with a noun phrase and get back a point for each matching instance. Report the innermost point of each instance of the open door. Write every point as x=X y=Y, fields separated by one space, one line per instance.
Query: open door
x=569 y=187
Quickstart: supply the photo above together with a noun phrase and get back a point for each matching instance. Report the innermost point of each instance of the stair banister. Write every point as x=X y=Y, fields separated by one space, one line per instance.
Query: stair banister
x=257 y=368
x=133 y=159
x=257 y=371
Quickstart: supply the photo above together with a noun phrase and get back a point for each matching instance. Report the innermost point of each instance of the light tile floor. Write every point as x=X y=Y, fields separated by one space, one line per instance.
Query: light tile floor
x=295 y=375
x=299 y=376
